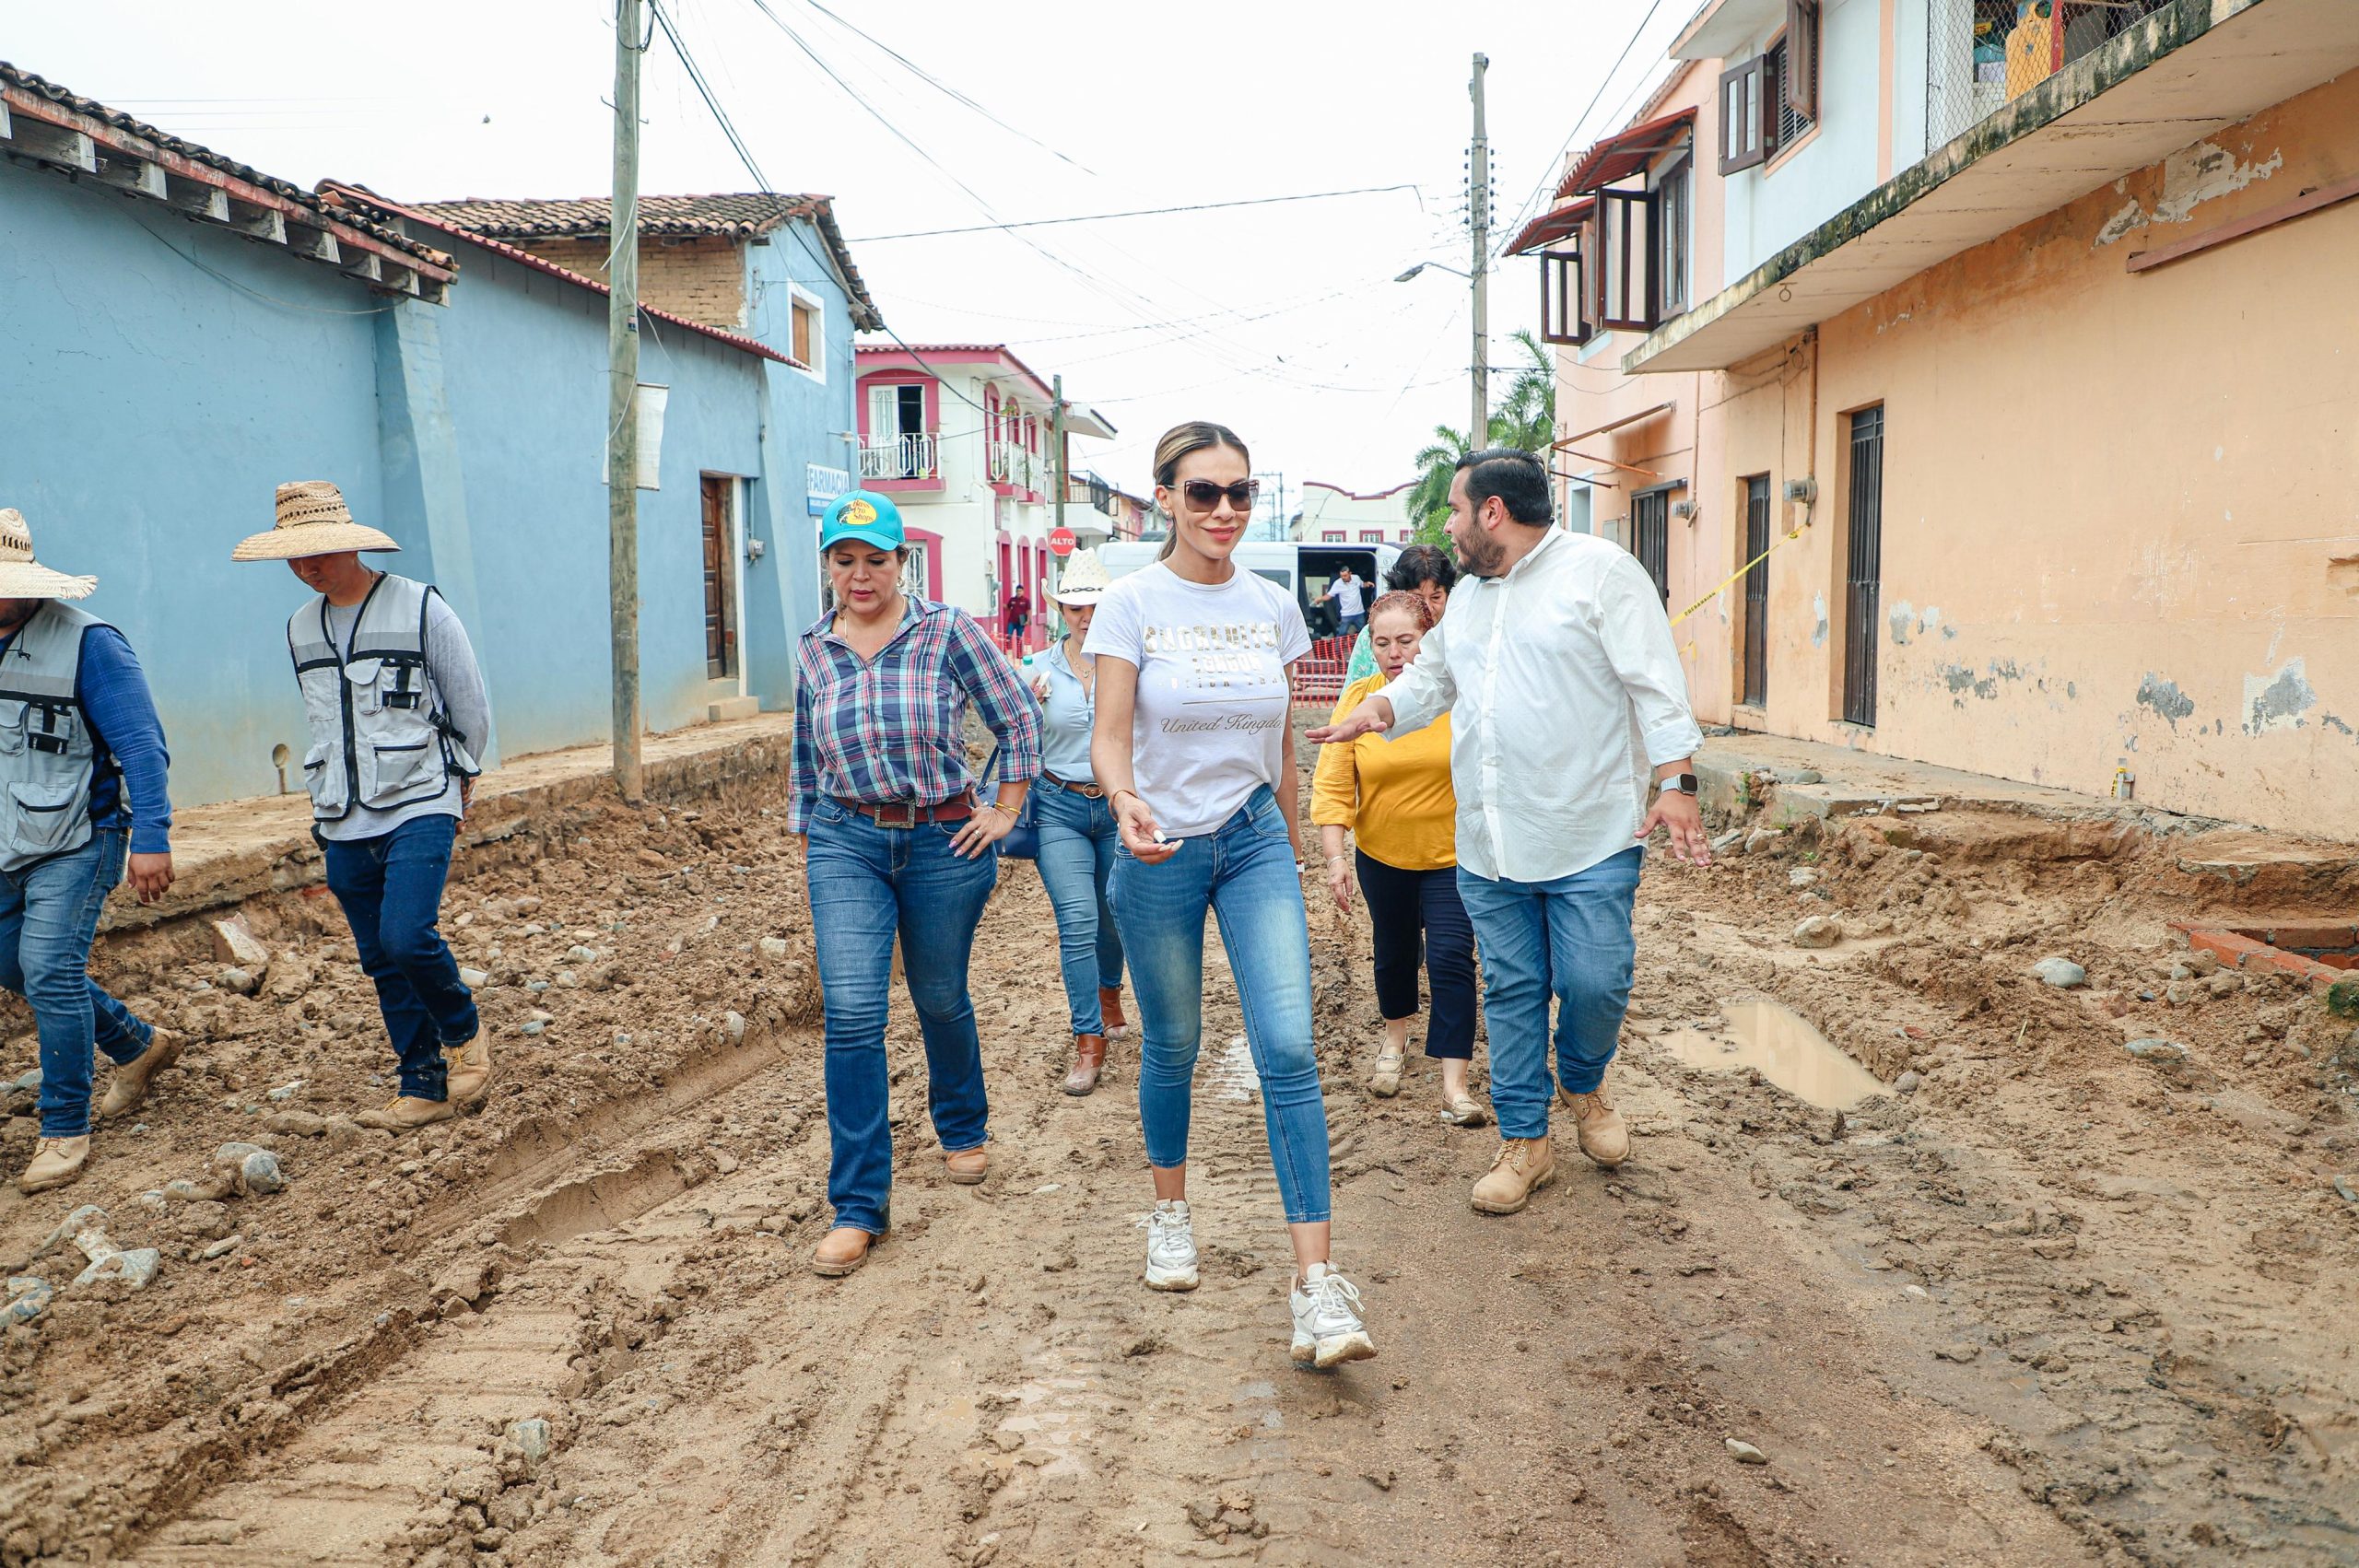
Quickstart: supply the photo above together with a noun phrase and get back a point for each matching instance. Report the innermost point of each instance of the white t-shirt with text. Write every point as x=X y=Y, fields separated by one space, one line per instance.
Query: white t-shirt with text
x=1210 y=726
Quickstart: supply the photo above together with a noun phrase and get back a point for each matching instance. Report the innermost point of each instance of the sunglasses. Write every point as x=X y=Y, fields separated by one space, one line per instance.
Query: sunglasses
x=1203 y=495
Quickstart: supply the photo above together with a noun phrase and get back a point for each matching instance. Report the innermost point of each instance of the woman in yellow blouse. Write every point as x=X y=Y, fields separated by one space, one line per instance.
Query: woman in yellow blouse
x=1394 y=797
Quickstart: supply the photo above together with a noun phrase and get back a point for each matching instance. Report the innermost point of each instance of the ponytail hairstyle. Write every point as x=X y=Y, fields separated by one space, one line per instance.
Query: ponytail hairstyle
x=1409 y=602
x=1195 y=436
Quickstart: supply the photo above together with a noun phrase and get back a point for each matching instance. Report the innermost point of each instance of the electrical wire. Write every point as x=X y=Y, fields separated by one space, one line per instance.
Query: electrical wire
x=1552 y=171
x=1135 y=212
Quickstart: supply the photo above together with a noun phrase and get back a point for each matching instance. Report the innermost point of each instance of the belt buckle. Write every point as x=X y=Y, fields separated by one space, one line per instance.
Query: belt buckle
x=907 y=817
x=1089 y=792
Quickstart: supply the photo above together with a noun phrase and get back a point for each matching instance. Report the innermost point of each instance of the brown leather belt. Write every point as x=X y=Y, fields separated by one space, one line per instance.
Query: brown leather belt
x=909 y=813
x=1094 y=791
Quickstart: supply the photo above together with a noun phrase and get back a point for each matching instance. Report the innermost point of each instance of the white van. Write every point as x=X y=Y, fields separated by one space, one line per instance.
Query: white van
x=1303 y=569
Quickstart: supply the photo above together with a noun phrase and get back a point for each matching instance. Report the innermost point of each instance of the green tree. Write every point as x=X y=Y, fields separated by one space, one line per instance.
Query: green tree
x=1525 y=419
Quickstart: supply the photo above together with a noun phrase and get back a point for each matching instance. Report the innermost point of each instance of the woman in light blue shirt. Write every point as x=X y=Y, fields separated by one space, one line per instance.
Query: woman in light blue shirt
x=1077 y=834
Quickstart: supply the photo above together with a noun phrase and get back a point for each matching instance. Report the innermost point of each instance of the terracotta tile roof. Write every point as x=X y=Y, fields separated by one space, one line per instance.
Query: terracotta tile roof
x=348 y=198
x=745 y=214
x=27 y=82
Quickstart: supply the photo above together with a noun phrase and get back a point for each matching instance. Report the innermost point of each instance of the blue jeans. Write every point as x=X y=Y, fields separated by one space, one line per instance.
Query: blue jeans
x=49 y=913
x=1350 y=626
x=868 y=882
x=1244 y=871
x=391 y=888
x=1077 y=845
x=1571 y=939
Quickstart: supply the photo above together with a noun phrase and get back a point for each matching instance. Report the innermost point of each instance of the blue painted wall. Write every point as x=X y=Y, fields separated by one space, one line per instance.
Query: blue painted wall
x=163 y=377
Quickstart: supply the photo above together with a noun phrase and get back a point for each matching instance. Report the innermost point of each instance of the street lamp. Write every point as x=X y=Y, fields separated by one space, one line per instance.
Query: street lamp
x=1438 y=266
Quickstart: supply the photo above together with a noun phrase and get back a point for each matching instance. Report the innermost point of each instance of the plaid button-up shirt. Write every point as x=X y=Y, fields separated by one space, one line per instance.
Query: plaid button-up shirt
x=892 y=728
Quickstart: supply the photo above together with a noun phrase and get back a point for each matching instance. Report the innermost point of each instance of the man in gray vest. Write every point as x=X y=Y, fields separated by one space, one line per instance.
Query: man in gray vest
x=82 y=777
x=398 y=716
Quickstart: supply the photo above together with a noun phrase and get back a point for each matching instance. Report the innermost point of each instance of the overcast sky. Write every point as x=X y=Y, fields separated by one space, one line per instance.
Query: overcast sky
x=1282 y=321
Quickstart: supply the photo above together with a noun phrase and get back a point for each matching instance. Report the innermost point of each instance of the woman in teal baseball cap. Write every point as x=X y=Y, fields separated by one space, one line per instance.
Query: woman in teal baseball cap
x=899 y=844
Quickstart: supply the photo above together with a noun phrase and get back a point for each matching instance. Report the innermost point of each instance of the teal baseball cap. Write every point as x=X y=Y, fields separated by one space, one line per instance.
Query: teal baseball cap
x=863 y=515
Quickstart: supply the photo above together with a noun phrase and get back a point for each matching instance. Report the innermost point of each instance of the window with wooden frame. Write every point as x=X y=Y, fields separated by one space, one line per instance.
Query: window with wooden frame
x=1562 y=318
x=1771 y=100
x=1619 y=262
x=1674 y=194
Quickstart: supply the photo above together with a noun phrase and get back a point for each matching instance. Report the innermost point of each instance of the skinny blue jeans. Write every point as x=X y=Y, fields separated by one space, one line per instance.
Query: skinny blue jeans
x=1077 y=844
x=1569 y=939
x=865 y=883
x=49 y=914
x=391 y=889
x=1244 y=871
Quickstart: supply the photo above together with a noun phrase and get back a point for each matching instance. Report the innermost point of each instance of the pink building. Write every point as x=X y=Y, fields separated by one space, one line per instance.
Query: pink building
x=963 y=437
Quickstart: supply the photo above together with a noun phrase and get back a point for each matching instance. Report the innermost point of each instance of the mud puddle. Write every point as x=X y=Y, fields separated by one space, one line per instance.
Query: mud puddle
x=1784 y=1047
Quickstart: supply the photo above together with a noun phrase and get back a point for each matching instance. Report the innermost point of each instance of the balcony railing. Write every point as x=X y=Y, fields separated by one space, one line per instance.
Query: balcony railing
x=1981 y=55
x=1014 y=466
x=909 y=456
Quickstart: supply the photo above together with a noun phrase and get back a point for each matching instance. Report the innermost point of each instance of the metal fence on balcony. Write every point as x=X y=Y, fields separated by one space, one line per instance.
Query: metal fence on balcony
x=1981 y=55
x=1014 y=465
x=909 y=456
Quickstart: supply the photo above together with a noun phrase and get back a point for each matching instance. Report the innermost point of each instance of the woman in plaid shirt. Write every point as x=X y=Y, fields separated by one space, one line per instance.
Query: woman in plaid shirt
x=897 y=842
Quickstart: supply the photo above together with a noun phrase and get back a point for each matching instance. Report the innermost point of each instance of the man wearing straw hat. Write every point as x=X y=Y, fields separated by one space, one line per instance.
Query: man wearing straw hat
x=398 y=716
x=82 y=774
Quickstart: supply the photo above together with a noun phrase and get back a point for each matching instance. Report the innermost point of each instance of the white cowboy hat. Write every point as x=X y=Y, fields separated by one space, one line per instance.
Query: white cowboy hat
x=313 y=521
x=21 y=577
x=1084 y=581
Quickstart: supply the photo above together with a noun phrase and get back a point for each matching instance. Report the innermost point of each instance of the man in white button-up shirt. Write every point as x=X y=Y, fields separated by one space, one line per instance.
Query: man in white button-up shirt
x=1556 y=663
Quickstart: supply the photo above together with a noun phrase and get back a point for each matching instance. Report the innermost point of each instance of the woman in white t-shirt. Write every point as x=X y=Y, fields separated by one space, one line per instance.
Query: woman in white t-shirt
x=1192 y=745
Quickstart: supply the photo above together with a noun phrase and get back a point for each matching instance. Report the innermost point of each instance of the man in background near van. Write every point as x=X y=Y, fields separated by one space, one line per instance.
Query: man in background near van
x=83 y=762
x=1350 y=595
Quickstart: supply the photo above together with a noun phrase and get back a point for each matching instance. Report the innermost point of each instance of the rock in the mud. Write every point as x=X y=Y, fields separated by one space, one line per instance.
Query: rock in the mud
x=241 y=981
x=1908 y=1082
x=1801 y=876
x=1961 y=1352
x=2349 y=1189
x=28 y=1295
x=466 y=1279
x=235 y=942
x=286 y=1091
x=1745 y=1453
x=135 y=1269
x=477 y=1484
x=301 y=1124
x=531 y=1436
x=774 y=947
x=221 y=1248
x=2059 y=972
x=251 y=1169
x=1730 y=843
x=1760 y=839
x=2166 y=1053
x=475 y=979
x=1818 y=930
x=1799 y=776
x=735 y=1023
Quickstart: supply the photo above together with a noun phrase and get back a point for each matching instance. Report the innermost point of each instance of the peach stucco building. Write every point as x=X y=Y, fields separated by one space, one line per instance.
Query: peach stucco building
x=2039 y=337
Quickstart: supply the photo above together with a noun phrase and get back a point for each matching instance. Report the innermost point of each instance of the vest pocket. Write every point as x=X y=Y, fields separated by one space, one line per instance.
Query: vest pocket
x=46 y=821
x=401 y=770
x=12 y=728
x=325 y=780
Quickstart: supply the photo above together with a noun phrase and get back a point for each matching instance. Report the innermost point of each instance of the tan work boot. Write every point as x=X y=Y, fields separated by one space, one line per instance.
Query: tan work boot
x=467 y=1071
x=1524 y=1165
x=842 y=1250
x=1604 y=1135
x=1109 y=1009
x=1088 y=1061
x=56 y=1161
x=132 y=1078
x=968 y=1167
x=405 y=1113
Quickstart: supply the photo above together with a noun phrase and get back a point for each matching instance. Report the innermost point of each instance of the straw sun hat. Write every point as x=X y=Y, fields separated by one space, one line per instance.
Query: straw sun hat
x=21 y=577
x=313 y=521
x=1085 y=580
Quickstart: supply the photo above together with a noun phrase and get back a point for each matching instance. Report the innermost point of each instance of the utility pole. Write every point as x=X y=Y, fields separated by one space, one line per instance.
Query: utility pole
x=1064 y=475
x=1478 y=212
x=622 y=400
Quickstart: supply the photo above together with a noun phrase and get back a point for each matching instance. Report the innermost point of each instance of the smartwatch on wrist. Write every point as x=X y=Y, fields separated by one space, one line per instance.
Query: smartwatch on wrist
x=1677 y=784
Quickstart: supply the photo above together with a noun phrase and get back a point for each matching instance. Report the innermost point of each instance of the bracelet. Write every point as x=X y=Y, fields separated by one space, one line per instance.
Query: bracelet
x=1333 y=858
x=1134 y=794
x=1011 y=811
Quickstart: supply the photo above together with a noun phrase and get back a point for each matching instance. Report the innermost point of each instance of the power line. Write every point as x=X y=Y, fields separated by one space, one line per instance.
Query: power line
x=1550 y=169
x=1134 y=212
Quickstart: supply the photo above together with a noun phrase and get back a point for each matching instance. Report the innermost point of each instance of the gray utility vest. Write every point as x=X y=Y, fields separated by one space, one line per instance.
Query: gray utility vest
x=48 y=755
x=380 y=737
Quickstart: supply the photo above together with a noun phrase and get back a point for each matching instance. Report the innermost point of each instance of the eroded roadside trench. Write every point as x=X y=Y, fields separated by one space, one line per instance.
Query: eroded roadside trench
x=2058 y=1303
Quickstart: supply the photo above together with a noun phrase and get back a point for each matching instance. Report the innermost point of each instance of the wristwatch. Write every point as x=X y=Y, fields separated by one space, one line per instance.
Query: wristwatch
x=1678 y=783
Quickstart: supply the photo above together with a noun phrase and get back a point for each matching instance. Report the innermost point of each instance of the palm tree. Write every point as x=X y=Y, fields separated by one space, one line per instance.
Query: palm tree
x=1524 y=420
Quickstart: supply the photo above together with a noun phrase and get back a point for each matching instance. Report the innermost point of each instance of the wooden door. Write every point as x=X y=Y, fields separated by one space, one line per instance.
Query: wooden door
x=720 y=581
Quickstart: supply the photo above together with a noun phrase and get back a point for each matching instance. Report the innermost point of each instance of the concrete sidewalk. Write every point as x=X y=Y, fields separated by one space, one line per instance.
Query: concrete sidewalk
x=1810 y=778
x=224 y=853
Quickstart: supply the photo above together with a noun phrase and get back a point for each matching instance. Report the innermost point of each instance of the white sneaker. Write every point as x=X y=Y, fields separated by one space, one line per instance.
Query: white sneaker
x=1327 y=1327
x=1170 y=1247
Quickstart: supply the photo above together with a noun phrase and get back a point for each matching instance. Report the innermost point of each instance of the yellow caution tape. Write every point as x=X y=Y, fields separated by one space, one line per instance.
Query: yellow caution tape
x=1740 y=571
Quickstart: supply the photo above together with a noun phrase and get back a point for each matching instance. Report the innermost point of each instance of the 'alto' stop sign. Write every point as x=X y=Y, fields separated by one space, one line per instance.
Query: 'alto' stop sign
x=1061 y=542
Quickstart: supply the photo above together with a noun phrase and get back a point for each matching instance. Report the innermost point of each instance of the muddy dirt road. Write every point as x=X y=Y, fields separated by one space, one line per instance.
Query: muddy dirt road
x=2055 y=1303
